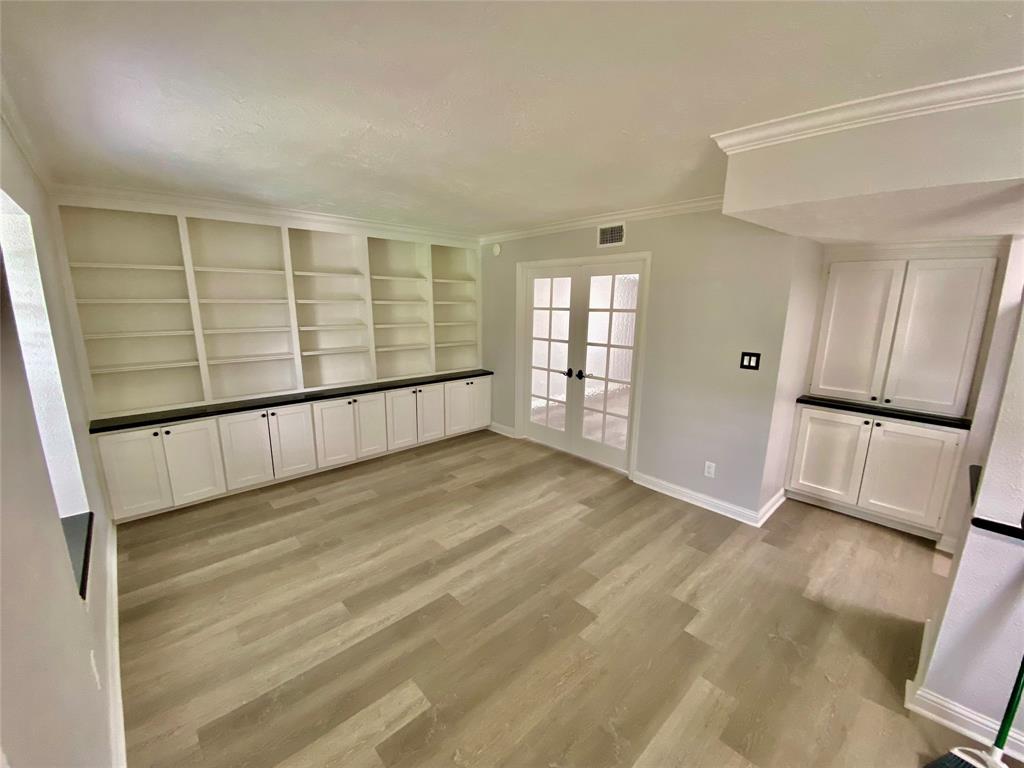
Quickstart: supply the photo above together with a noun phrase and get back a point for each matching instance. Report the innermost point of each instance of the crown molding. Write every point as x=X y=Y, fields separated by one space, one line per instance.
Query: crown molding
x=210 y=207
x=11 y=116
x=985 y=243
x=694 y=205
x=989 y=88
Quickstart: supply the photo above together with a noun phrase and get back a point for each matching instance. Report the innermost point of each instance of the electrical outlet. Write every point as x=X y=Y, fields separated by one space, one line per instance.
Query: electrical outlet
x=709 y=469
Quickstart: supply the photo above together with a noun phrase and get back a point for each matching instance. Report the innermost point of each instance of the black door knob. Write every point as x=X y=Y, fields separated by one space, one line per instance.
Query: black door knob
x=580 y=374
x=567 y=373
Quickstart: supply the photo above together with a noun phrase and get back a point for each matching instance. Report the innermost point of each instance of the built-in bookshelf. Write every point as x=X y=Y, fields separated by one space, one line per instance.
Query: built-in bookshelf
x=332 y=293
x=244 y=306
x=400 y=290
x=181 y=309
x=455 y=282
x=132 y=297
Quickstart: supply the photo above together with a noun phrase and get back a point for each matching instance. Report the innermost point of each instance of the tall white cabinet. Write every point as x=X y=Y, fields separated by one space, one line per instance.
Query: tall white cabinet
x=903 y=333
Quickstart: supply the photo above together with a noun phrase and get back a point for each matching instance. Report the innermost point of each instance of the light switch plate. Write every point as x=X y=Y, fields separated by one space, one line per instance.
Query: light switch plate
x=750 y=361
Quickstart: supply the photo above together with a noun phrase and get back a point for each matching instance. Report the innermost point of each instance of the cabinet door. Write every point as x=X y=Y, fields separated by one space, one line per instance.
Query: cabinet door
x=371 y=419
x=857 y=324
x=136 y=472
x=481 y=402
x=458 y=407
x=401 y=418
x=194 y=460
x=291 y=440
x=909 y=472
x=245 y=441
x=430 y=412
x=935 y=348
x=830 y=452
x=335 y=426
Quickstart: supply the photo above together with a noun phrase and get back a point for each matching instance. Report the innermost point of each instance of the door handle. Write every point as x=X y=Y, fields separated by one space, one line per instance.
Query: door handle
x=579 y=374
x=567 y=373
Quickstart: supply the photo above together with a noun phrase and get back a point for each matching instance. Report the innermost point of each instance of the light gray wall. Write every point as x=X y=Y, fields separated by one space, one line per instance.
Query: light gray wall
x=718 y=287
x=47 y=628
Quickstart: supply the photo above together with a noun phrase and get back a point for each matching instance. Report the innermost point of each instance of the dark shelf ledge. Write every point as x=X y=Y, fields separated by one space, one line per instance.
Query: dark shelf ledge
x=237 y=406
x=1005 y=529
x=78 y=537
x=934 y=419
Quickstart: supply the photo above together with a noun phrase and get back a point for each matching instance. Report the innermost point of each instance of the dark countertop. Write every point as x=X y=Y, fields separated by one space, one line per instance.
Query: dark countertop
x=140 y=420
x=936 y=420
x=78 y=537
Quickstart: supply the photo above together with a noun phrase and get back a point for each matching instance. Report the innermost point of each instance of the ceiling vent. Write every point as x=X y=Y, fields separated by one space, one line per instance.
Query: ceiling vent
x=611 y=234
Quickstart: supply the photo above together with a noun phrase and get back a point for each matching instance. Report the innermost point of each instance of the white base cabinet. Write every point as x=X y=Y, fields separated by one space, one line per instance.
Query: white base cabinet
x=467 y=405
x=161 y=467
x=895 y=470
x=158 y=468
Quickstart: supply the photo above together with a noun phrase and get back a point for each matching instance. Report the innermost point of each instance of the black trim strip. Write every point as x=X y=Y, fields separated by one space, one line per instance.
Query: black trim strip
x=78 y=537
x=139 y=420
x=1004 y=529
x=936 y=420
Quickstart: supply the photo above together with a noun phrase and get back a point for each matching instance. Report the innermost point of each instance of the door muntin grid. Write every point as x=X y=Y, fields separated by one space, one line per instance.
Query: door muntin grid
x=611 y=336
x=550 y=351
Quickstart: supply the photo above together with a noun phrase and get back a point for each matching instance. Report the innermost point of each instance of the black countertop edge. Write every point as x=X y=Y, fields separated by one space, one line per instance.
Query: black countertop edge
x=78 y=537
x=936 y=420
x=1013 y=531
x=139 y=420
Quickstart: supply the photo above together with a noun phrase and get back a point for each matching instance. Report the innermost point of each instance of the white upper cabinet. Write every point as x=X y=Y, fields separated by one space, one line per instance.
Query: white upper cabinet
x=371 y=421
x=909 y=472
x=136 y=472
x=194 y=461
x=430 y=412
x=335 y=425
x=856 y=329
x=830 y=451
x=402 y=427
x=935 y=348
x=245 y=439
x=291 y=440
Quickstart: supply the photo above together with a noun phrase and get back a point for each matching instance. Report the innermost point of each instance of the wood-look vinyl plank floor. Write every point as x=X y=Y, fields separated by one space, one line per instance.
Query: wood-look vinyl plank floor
x=488 y=602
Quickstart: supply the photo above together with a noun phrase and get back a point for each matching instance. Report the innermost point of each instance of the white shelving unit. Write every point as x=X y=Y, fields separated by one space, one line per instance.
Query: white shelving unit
x=332 y=306
x=132 y=298
x=400 y=290
x=185 y=308
x=244 y=307
x=456 y=279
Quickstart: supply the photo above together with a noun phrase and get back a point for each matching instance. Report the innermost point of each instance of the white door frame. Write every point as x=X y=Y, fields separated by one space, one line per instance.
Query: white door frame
x=524 y=305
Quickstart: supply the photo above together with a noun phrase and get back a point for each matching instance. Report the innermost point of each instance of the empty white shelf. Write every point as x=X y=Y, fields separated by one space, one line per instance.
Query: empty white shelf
x=457 y=322
x=128 y=367
x=421 y=324
x=335 y=351
x=98 y=265
x=399 y=301
x=132 y=301
x=454 y=280
x=250 y=358
x=467 y=343
x=342 y=300
x=402 y=347
x=243 y=301
x=135 y=334
x=241 y=270
x=411 y=278
x=258 y=329
x=457 y=301
x=351 y=273
x=333 y=326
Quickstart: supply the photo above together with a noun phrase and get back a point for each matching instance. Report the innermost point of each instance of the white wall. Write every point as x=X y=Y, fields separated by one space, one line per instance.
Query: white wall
x=718 y=287
x=56 y=630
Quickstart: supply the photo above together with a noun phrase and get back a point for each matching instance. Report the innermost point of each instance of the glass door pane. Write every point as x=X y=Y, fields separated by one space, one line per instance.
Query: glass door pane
x=550 y=351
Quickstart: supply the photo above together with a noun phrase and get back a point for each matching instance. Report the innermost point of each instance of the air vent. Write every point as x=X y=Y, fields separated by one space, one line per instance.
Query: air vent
x=613 y=234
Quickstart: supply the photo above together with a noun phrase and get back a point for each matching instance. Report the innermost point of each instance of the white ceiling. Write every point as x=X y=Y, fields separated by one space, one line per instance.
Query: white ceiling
x=468 y=117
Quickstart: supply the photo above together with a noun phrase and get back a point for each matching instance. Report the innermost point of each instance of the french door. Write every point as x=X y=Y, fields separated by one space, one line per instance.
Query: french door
x=581 y=364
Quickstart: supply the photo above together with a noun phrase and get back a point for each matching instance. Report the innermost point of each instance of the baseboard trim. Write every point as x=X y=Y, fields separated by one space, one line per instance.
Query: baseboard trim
x=755 y=518
x=503 y=429
x=959 y=718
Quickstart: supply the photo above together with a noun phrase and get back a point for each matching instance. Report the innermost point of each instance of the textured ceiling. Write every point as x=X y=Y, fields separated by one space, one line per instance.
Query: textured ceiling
x=471 y=117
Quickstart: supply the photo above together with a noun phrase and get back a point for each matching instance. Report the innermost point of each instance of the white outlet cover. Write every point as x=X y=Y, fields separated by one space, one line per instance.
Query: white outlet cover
x=709 y=469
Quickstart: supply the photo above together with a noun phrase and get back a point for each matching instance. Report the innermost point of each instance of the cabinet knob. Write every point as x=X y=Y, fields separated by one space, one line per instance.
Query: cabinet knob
x=355 y=401
x=878 y=423
x=348 y=402
x=263 y=415
x=167 y=431
x=867 y=423
x=887 y=400
x=873 y=397
x=272 y=413
x=156 y=434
